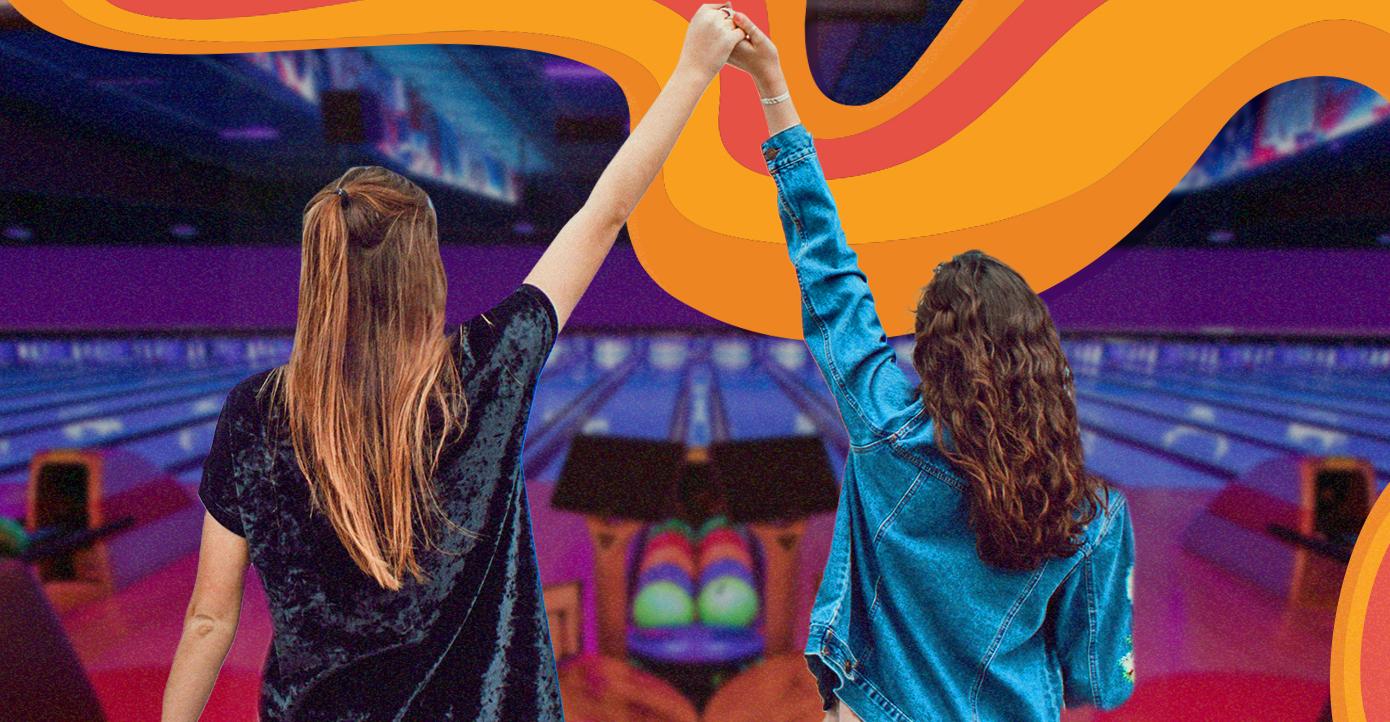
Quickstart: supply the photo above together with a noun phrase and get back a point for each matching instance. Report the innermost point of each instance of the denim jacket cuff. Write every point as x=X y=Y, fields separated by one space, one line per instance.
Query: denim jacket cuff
x=787 y=147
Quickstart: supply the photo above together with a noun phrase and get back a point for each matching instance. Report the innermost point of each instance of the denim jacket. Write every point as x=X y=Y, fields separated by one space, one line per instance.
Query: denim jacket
x=909 y=623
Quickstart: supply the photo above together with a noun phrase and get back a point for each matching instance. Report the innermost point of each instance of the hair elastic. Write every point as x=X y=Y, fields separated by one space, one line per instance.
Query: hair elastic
x=343 y=194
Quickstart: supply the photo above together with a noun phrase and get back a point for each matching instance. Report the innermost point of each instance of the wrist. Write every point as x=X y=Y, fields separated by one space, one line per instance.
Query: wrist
x=690 y=72
x=770 y=83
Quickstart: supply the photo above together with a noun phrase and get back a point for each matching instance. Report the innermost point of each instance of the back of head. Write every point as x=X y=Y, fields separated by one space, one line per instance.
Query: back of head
x=371 y=375
x=995 y=378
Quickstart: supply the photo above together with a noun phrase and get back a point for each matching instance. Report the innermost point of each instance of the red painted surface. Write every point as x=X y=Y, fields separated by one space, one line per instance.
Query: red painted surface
x=136 y=693
x=221 y=10
x=148 y=502
x=1223 y=696
x=1375 y=649
x=1208 y=646
x=1254 y=510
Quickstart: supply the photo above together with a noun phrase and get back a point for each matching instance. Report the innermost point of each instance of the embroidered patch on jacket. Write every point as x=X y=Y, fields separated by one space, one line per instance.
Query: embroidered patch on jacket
x=1127 y=661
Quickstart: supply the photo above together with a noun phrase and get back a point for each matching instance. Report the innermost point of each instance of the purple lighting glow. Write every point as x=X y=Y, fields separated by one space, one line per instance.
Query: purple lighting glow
x=18 y=233
x=1221 y=236
x=250 y=132
x=131 y=81
x=562 y=69
x=183 y=230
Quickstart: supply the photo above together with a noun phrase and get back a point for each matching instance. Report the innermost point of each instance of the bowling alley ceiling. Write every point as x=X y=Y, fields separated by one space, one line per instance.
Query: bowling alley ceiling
x=508 y=142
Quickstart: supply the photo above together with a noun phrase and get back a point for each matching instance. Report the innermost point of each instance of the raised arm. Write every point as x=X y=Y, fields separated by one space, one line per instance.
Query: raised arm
x=567 y=267
x=841 y=326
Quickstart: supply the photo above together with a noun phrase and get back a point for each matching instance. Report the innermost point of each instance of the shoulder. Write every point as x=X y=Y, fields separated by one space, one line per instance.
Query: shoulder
x=525 y=310
x=1112 y=522
x=1116 y=505
x=247 y=399
x=521 y=325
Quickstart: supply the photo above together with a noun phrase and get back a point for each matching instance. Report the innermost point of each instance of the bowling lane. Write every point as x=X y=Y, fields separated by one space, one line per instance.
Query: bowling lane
x=1335 y=375
x=1222 y=451
x=179 y=450
x=1293 y=436
x=755 y=404
x=1134 y=465
x=630 y=388
x=117 y=430
x=570 y=370
x=132 y=381
x=644 y=406
x=1347 y=384
x=22 y=381
x=1214 y=395
x=72 y=412
x=1272 y=393
x=80 y=364
x=792 y=369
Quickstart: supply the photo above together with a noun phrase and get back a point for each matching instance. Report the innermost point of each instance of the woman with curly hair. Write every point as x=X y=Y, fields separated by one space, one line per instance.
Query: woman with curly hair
x=977 y=571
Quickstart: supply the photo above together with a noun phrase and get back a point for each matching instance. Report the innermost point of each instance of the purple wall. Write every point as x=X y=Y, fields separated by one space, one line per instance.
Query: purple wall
x=250 y=287
x=166 y=287
x=1334 y=291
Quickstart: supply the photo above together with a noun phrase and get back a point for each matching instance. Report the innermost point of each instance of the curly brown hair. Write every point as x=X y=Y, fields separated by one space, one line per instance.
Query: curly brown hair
x=997 y=383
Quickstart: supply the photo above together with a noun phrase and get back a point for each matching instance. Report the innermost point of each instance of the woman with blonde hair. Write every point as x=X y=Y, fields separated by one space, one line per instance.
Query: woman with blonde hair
x=374 y=480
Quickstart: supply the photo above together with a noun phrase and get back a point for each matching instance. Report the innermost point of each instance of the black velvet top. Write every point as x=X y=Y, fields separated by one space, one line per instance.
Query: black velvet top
x=469 y=643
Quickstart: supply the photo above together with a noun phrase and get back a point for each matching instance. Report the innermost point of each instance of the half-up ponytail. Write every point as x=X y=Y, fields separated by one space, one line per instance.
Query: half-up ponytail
x=371 y=391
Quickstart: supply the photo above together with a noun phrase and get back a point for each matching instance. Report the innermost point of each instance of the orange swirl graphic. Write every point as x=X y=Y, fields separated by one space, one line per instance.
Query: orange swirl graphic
x=1039 y=130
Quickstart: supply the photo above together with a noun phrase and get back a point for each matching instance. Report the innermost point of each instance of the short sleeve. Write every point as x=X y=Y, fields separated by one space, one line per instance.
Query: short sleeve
x=1094 y=622
x=218 y=488
x=517 y=334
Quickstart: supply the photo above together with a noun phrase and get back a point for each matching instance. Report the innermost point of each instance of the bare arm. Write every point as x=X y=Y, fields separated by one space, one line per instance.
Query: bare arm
x=757 y=56
x=567 y=267
x=209 y=624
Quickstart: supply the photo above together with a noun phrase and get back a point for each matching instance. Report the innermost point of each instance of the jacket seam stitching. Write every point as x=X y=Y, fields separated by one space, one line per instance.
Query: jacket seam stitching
x=1092 y=657
x=797 y=157
x=1107 y=523
x=932 y=469
x=872 y=691
x=999 y=639
x=878 y=441
x=844 y=585
x=882 y=699
x=893 y=515
x=873 y=606
x=911 y=423
x=890 y=438
x=837 y=376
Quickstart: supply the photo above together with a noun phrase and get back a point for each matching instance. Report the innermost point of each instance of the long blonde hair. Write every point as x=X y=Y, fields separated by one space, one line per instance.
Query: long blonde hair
x=371 y=391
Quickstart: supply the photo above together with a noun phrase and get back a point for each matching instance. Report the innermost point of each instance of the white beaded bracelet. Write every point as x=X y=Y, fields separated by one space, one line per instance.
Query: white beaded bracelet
x=778 y=99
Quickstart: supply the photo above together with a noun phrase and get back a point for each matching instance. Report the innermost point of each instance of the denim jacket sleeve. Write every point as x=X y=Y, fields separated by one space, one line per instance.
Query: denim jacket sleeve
x=1094 y=617
x=841 y=326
